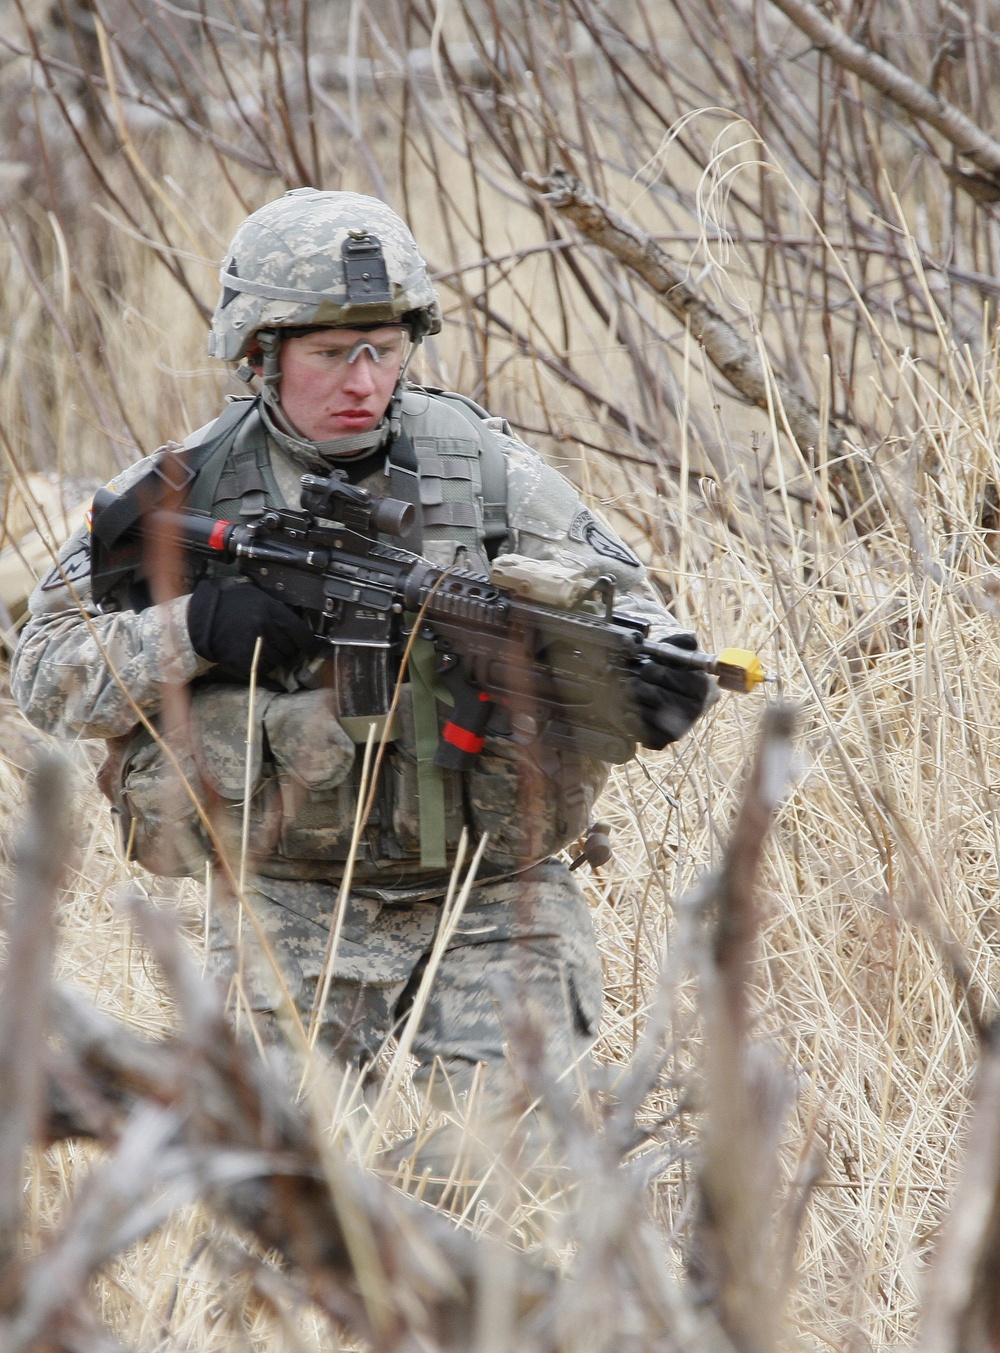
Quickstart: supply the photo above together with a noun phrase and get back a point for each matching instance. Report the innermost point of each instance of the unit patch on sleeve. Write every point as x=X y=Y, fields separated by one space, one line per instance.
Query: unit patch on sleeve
x=589 y=531
x=71 y=569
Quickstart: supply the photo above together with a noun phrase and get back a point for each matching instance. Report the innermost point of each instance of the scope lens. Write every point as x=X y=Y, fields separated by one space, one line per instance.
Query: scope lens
x=393 y=517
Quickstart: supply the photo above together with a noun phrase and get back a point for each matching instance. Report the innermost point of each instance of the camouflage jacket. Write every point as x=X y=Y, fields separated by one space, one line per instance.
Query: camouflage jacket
x=80 y=672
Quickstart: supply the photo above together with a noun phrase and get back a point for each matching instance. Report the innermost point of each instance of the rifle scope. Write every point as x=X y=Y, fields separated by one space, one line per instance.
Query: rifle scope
x=335 y=499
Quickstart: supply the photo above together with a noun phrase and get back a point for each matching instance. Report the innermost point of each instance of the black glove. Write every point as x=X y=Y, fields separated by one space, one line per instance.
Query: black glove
x=669 y=699
x=224 y=623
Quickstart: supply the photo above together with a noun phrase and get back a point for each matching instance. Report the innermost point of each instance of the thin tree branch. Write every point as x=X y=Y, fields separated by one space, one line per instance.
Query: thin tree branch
x=922 y=103
x=960 y=1313
x=24 y=1001
x=736 y=359
x=735 y=1252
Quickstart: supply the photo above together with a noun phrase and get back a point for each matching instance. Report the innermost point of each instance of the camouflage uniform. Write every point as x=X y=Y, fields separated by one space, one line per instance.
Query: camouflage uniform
x=79 y=672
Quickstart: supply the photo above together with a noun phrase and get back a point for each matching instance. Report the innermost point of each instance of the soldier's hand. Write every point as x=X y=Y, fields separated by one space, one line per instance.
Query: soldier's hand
x=669 y=699
x=224 y=623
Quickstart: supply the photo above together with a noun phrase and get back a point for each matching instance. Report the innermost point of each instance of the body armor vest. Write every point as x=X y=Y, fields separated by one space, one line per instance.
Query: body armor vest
x=305 y=775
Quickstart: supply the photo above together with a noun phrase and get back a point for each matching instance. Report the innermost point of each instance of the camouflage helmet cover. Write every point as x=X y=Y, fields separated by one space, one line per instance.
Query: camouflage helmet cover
x=285 y=268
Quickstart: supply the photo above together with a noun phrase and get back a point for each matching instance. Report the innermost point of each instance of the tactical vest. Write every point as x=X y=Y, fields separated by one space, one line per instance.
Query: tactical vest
x=304 y=771
x=451 y=470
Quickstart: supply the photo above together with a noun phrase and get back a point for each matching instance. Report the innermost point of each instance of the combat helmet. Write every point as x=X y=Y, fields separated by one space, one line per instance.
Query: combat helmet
x=321 y=258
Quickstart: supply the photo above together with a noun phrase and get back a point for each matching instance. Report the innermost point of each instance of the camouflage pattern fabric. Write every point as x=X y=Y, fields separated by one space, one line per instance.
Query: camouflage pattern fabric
x=526 y=942
x=531 y=935
x=285 y=268
x=79 y=673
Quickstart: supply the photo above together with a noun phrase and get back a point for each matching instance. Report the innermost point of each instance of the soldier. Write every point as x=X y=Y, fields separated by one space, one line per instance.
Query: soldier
x=324 y=300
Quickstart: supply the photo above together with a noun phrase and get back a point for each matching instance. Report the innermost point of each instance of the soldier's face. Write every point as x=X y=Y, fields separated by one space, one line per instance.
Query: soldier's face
x=338 y=381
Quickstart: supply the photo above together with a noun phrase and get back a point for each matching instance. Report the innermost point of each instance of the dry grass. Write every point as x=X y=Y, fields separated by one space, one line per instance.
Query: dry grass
x=889 y=839
x=885 y=854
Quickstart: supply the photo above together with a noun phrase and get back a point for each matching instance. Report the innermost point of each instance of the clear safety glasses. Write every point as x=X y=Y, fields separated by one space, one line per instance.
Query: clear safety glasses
x=391 y=348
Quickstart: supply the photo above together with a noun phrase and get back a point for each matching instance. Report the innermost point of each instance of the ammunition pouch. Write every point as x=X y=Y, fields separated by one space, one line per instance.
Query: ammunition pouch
x=176 y=808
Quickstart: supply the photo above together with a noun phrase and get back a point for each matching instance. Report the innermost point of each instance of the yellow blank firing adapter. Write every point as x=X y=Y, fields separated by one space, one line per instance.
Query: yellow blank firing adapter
x=739 y=670
x=736 y=669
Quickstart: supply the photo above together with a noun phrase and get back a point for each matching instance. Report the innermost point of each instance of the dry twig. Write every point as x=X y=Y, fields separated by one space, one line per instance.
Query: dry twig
x=962 y=1309
x=736 y=359
x=746 y=1096
x=921 y=102
x=40 y=856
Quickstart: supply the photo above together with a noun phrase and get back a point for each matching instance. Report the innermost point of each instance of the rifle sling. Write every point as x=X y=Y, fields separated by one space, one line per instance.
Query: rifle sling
x=171 y=472
x=404 y=483
x=430 y=778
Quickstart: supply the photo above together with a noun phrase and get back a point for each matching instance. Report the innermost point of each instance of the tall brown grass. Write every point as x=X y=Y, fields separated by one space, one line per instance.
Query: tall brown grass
x=886 y=853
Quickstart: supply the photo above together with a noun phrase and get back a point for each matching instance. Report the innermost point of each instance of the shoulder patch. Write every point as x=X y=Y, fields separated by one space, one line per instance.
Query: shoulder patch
x=71 y=569
x=586 y=529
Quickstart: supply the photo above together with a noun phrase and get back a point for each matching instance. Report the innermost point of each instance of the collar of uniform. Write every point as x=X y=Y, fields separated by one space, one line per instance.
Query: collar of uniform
x=306 y=452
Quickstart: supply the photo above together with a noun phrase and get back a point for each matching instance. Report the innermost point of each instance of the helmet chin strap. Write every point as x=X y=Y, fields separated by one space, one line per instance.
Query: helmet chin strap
x=288 y=437
x=306 y=452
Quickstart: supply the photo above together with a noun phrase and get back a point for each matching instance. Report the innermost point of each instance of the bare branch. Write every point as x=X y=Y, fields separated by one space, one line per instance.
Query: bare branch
x=922 y=103
x=257 y=1161
x=597 y=399
x=961 y=1309
x=55 y=1281
x=41 y=854
x=738 y=921
x=735 y=1256
x=736 y=359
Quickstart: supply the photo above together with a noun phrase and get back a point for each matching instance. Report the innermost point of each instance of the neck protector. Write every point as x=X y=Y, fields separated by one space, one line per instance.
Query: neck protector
x=307 y=453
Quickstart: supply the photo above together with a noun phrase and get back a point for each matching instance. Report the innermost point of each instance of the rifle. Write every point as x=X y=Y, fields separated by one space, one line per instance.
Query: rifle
x=533 y=651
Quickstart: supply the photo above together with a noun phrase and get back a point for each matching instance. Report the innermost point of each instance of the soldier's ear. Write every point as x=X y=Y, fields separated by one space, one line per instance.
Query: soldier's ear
x=255 y=357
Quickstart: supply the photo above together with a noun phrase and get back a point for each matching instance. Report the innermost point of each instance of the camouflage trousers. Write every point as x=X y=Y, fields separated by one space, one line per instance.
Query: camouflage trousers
x=527 y=939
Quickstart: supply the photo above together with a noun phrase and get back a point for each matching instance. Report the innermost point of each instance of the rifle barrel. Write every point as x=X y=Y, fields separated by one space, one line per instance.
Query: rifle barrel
x=736 y=669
